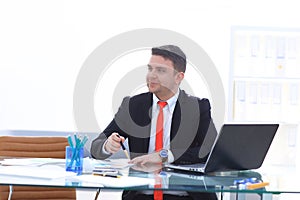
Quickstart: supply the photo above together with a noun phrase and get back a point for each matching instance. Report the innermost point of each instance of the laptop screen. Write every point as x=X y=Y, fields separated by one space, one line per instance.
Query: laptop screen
x=241 y=147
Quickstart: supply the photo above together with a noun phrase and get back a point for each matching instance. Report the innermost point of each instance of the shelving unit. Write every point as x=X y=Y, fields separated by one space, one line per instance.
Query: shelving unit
x=265 y=83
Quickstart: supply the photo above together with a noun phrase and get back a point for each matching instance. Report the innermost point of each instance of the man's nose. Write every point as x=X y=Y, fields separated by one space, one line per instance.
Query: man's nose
x=153 y=73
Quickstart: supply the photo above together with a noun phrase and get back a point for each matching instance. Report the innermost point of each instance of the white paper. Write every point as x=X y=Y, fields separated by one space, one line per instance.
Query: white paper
x=32 y=161
x=123 y=181
x=120 y=163
x=43 y=172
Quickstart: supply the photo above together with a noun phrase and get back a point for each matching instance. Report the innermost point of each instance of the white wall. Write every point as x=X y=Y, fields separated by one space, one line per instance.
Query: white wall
x=43 y=45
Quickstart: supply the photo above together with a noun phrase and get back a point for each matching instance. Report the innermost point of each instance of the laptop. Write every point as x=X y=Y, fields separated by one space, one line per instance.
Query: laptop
x=237 y=147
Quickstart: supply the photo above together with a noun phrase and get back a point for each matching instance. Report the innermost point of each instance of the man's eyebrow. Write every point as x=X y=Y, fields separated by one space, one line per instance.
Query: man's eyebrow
x=157 y=65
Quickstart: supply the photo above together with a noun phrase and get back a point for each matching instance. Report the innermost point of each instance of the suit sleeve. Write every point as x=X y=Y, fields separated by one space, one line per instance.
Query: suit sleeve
x=114 y=126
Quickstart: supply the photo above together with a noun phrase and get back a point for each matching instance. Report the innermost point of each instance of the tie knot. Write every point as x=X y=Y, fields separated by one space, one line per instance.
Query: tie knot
x=162 y=104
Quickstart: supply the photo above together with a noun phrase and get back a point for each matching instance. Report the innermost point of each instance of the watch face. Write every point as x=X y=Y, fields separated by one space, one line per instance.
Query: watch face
x=163 y=153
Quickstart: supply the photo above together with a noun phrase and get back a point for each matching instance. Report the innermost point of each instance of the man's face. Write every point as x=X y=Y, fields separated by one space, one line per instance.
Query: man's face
x=162 y=79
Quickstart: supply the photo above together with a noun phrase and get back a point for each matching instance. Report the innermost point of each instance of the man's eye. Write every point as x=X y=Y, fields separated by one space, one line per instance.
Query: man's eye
x=161 y=70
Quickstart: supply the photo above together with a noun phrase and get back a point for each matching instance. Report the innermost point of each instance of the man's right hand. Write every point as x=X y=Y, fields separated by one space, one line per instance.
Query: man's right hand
x=112 y=144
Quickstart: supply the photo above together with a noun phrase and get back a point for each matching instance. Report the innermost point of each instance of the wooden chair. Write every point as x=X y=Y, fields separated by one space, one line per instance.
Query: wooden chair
x=35 y=147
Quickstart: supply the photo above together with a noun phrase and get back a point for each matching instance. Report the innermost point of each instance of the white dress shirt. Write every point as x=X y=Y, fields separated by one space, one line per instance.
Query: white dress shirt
x=168 y=113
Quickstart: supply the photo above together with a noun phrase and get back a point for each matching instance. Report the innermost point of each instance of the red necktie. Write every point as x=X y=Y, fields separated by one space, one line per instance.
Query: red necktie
x=158 y=194
x=159 y=126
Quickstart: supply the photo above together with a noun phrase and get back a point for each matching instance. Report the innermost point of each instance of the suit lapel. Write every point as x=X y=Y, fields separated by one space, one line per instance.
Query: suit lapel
x=176 y=115
x=185 y=121
x=175 y=120
x=141 y=113
x=147 y=113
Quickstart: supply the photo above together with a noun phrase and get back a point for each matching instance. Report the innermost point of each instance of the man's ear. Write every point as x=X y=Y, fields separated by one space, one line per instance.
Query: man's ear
x=179 y=77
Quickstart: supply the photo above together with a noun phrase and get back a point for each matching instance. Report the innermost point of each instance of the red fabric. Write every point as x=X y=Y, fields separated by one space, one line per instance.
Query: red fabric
x=159 y=127
x=158 y=194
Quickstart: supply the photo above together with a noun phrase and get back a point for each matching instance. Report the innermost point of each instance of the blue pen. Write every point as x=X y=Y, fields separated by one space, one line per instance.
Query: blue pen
x=124 y=149
x=70 y=141
x=84 y=140
x=77 y=141
x=75 y=156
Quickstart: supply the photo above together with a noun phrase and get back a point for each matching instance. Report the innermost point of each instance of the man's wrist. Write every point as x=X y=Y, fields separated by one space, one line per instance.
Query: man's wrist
x=164 y=155
x=104 y=150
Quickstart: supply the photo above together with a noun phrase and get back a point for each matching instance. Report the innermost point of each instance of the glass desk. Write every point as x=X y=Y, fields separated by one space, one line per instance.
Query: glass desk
x=281 y=180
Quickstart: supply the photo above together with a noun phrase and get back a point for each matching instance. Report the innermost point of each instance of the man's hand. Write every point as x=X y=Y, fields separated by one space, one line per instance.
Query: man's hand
x=113 y=143
x=147 y=159
x=153 y=167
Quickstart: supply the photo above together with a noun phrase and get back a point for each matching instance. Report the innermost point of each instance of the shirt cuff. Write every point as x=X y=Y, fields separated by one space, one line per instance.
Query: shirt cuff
x=104 y=151
x=170 y=157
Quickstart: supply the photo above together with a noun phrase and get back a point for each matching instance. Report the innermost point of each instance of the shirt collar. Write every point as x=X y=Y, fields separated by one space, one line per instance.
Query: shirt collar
x=171 y=102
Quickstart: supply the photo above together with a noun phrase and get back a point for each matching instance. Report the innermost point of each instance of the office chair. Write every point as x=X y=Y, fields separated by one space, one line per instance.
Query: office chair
x=35 y=147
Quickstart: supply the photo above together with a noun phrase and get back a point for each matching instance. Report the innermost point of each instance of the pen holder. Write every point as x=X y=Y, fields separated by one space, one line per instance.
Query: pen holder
x=74 y=159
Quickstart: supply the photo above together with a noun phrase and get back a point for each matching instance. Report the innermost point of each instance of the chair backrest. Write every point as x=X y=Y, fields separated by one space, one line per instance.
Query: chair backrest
x=35 y=147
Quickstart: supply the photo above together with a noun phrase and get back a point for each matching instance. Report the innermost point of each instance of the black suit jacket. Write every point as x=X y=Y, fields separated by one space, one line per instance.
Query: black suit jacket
x=190 y=122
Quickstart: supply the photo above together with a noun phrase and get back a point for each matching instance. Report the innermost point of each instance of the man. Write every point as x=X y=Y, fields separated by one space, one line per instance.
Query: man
x=162 y=125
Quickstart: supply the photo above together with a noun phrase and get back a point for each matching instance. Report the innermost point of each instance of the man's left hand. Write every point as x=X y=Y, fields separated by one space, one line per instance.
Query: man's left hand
x=153 y=167
x=147 y=159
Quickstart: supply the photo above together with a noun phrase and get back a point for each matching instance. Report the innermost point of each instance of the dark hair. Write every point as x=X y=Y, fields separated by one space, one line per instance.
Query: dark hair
x=173 y=53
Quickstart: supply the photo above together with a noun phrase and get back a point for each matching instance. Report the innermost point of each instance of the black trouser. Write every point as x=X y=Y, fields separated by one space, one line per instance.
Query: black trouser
x=135 y=195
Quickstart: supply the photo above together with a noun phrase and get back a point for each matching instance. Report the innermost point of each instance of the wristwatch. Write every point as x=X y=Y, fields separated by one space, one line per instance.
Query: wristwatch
x=164 y=155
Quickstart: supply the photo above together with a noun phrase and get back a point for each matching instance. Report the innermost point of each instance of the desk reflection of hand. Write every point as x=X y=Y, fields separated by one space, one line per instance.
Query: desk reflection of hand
x=150 y=167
